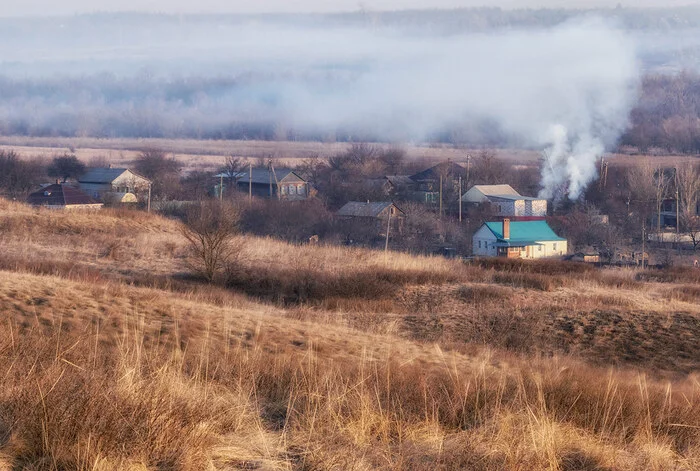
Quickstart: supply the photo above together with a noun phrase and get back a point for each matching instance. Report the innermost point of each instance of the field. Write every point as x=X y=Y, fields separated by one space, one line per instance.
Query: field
x=115 y=356
x=197 y=154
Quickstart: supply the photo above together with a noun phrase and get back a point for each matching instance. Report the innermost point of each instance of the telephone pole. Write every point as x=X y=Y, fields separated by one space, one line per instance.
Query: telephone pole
x=440 y=196
x=388 y=226
x=644 y=240
x=250 y=181
x=460 y=198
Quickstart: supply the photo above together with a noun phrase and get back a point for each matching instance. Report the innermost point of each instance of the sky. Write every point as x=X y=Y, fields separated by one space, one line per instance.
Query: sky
x=10 y=8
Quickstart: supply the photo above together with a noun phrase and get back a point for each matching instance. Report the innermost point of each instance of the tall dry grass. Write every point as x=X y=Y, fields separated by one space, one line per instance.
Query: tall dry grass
x=164 y=386
x=331 y=358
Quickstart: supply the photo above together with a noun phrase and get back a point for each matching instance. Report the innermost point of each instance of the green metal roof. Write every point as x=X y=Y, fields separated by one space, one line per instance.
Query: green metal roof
x=524 y=231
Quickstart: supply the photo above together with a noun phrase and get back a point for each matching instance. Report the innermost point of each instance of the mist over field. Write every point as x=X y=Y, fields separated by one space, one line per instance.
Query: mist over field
x=559 y=80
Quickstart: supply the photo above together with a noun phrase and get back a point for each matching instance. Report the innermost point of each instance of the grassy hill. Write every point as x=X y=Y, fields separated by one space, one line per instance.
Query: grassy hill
x=114 y=356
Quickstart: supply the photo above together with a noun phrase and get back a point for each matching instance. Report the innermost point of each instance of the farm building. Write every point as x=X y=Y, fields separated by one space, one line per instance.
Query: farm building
x=377 y=215
x=62 y=196
x=517 y=239
x=116 y=185
x=506 y=201
x=424 y=186
x=281 y=183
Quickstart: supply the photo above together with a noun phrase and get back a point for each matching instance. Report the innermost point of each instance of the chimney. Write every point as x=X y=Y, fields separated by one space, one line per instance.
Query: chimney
x=506 y=228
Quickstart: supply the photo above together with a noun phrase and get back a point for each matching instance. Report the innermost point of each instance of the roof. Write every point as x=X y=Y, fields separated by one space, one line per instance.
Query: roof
x=514 y=198
x=60 y=194
x=262 y=175
x=367 y=210
x=524 y=231
x=399 y=180
x=104 y=175
x=500 y=191
x=434 y=172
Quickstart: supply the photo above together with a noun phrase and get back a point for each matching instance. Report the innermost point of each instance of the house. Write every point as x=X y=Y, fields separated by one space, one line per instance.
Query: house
x=62 y=196
x=377 y=215
x=112 y=184
x=281 y=183
x=517 y=239
x=506 y=201
x=667 y=216
x=427 y=185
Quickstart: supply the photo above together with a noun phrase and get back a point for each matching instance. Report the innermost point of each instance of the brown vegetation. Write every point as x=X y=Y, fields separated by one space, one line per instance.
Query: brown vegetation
x=341 y=359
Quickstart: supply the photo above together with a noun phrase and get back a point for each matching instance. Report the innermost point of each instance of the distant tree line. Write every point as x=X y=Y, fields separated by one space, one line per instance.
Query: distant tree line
x=666 y=116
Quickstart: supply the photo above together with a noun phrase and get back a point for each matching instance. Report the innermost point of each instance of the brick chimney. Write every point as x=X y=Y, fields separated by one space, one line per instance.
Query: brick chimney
x=506 y=228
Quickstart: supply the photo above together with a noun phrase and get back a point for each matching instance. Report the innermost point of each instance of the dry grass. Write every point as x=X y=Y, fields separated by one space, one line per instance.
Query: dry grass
x=125 y=378
x=341 y=359
x=197 y=154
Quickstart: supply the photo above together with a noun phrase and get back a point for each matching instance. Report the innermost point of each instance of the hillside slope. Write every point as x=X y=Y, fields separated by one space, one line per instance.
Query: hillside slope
x=327 y=358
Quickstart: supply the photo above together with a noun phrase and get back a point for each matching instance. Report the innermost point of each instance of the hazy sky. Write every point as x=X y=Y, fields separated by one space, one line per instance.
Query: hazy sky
x=69 y=7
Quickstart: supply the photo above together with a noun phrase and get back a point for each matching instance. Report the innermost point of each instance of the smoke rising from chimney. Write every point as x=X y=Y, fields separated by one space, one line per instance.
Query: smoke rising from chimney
x=567 y=89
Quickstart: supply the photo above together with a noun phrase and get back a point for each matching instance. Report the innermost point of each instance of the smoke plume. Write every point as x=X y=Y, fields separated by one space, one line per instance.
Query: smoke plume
x=567 y=89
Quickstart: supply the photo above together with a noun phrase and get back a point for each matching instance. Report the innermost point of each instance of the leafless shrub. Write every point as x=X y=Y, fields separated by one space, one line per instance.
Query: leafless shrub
x=210 y=228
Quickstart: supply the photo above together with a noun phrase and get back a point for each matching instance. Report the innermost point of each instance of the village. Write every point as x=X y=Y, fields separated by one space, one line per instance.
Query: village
x=631 y=215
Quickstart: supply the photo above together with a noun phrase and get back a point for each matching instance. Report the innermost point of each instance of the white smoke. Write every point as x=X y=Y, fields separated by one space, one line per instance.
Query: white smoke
x=566 y=89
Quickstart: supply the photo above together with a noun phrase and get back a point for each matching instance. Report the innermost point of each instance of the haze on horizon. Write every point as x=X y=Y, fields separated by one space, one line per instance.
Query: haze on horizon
x=72 y=7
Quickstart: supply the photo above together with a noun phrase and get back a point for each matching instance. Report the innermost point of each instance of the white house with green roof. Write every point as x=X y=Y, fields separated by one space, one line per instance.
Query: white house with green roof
x=518 y=239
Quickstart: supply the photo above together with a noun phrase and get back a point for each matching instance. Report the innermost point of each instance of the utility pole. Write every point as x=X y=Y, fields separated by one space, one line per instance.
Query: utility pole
x=441 y=196
x=678 y=220
x=250 y=181
x=388 y=226
x=149 y=197
x=644 y=240
x=469 y=163
x=460 y=198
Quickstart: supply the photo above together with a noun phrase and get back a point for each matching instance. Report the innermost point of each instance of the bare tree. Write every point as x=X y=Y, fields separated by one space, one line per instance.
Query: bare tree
x=688 y=183
x=65 y=167
x=164 y=172
x=210 y=228
x=17 y=176
x=233 y=168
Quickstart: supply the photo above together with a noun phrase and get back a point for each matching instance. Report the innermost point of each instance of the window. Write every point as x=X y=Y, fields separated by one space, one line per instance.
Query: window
x=479 y=244
x=292 y=190
x=300 y=189
x=283 y=189
x=554 y=246
x=539 y=248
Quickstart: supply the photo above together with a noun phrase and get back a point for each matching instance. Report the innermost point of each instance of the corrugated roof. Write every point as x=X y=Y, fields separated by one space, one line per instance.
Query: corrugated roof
x=101 y=175
x=399 y=180
x=360 y=209
x=262 y=175
x=434 y=172
x=514 y=198
x=524 y=231
x=497 y=190
x=105 y=175
x=59 y=194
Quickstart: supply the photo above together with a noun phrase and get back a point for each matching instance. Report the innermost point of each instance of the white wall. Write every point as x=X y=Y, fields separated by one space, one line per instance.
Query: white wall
x=482 y=243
